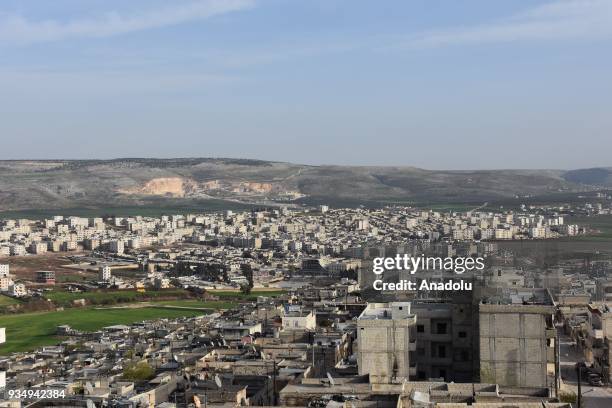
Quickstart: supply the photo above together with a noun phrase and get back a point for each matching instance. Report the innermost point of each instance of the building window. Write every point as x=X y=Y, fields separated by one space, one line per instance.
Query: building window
x=441 y=328
x=441 y=352
x=420 y=328
x=462 y=334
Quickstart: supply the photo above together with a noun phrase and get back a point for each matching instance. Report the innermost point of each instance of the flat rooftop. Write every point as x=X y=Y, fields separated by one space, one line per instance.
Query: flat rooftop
x=377 y=311
x=519 y=296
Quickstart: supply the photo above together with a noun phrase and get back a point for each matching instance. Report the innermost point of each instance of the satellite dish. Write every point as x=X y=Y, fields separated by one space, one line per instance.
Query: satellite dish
x=224 y=342
x=175 y=358
x=89 y=388
x=90 y=404
x=218 y=381
x=331 y=379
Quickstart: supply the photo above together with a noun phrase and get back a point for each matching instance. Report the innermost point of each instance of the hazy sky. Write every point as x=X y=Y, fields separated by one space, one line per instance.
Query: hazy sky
x=429 y=83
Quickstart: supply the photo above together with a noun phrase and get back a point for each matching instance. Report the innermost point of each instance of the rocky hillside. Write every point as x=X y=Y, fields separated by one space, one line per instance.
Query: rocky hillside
x=86 y=183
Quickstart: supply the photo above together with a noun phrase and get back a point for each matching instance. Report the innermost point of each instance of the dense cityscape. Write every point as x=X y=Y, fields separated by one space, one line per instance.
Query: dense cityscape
x=275 y=307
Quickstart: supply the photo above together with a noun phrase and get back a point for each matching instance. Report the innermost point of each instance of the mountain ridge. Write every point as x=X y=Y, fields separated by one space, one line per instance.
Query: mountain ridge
x=38 y=184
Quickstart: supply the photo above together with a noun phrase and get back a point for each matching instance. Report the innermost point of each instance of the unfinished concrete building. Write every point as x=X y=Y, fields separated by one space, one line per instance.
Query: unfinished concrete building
x=384 y=342
x=517 y=338
x=444 y=338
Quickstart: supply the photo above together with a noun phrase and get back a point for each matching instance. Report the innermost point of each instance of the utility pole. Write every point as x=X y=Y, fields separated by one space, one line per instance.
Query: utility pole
x=579 y=367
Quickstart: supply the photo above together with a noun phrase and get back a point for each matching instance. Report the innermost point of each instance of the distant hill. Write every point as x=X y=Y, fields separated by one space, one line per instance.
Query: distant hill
x=57 y=184
x=596 y=176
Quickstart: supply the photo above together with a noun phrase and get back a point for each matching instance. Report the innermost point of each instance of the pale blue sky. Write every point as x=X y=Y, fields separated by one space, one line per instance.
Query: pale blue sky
x=430 y=83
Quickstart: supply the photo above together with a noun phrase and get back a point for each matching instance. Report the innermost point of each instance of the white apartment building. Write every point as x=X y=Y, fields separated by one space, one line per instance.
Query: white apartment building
x=17 y=290
x=105 y=273
x=5 y=283
x=299 y=320
x=116 y=246
x=38 y=247
x=18 y=250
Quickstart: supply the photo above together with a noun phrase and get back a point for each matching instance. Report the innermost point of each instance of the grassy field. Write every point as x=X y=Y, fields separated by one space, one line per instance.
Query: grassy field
x=29 y=331
x=603 y=223
x=7 y=301
x=63 y=298
x=73 y=277
x=220 y=304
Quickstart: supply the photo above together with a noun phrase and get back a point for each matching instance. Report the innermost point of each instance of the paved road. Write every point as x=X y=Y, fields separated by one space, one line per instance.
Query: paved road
x=592 y=397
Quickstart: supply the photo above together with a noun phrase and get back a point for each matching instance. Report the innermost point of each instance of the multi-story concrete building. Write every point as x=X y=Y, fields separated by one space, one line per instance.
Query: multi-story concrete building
x=604 y=290
x=517 y=338
x=444 y=339
x=104 y=273
x=18 y=250
x=17 y=290
x=38 y=247
x=598 y=341
x=299 y=320
x=5 y=283
x=385 y=343
x=46 y=277
x=116 y=246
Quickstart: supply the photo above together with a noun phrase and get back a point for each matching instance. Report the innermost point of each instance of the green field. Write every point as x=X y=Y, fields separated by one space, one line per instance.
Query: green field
x=220 y=304
x=29 y=331
x=603 y=223
x=63 y=298
x=7 y=301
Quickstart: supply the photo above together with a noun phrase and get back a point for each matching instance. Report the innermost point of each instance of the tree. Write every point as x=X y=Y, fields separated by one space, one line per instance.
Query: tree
x=247 y=272
x=245 y=289
x=140 y=371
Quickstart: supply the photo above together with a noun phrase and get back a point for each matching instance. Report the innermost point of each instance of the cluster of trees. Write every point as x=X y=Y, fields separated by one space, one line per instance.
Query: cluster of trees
x=138 y=371
x=213 y=272
x=247 y=272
